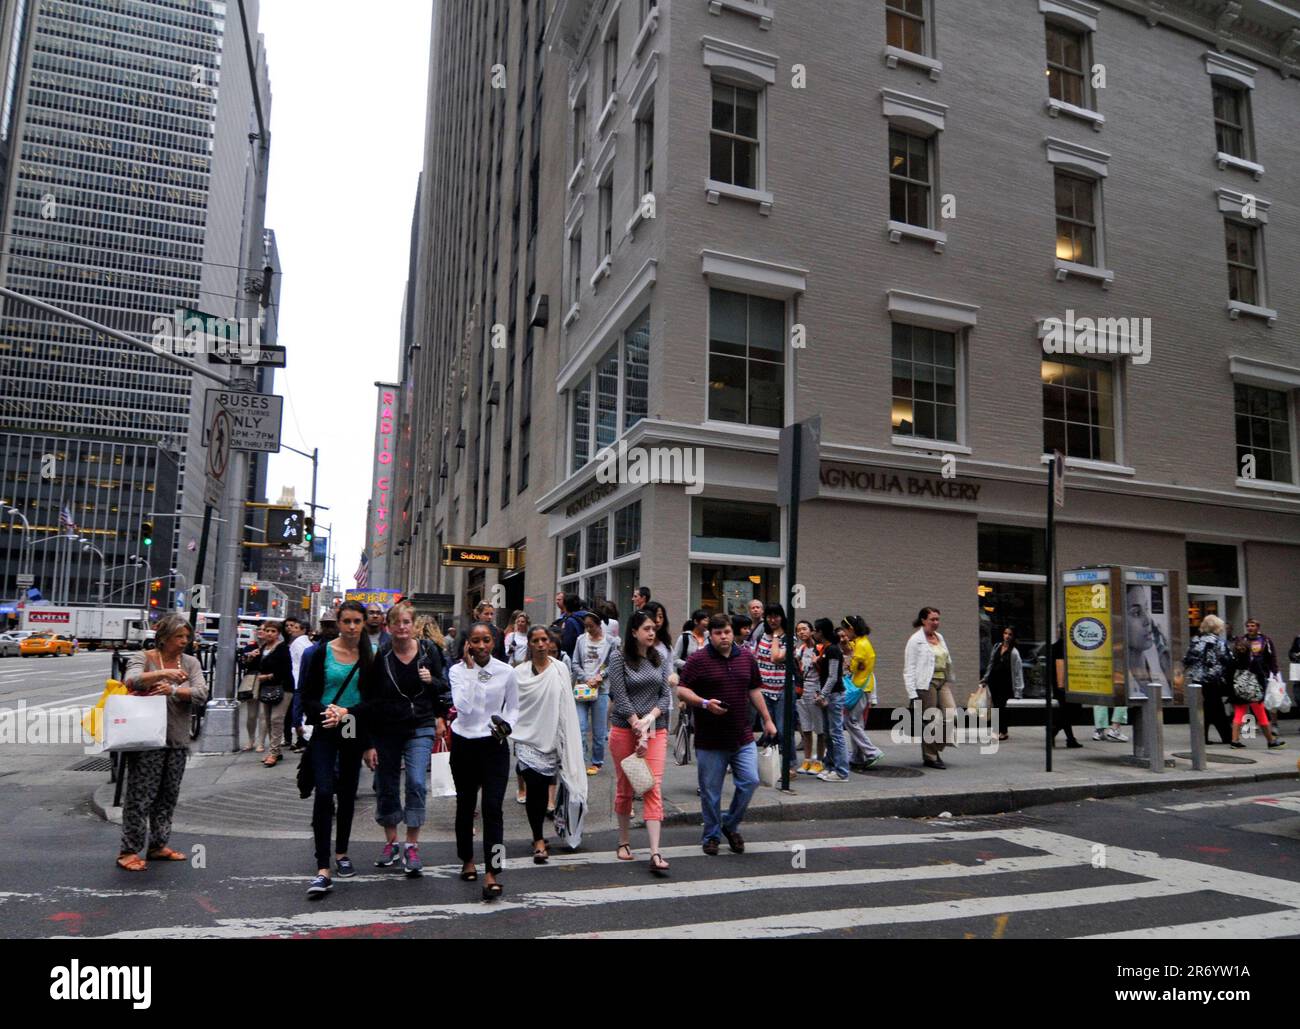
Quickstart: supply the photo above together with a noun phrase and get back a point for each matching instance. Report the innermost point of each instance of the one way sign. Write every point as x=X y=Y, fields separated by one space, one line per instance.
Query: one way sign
x=254 y=418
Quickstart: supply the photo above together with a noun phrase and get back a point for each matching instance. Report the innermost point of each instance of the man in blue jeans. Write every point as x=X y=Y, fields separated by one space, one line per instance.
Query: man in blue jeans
x=720 y=680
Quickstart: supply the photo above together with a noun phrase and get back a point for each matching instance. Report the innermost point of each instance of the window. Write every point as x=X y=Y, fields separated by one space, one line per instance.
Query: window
x=925 y=383
x=909 y=179
x=732 y=527
x=611 y=61
x=1076 y=220
x=627 y=530
x=1079 y=409
x=575 y=268
x=1263 y=433
x=580 y=129
x=606 y=218
x=1230 y=120
x=746 y=358
x=905 y=24
x=1243 y=262
x=645 y=149
x=619 y=384
x=1212 y=564
x=597 y=543
x=1012 y=594
x=571 y=550
x=733 y=142
x=1067 y=65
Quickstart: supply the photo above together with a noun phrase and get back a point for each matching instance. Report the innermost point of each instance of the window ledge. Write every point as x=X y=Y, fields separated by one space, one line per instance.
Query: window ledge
x=897 y=230
x=1056 y=108
x=760 y=11
x=577 y=175
x=638 y=216
x=1064 y=269
x=602 y=270
x=611 y=105
x=1225 y=161
x=1269 y=486
x=647 y=30
x=895 y=55
x=1084 y=464
x=572 y=316
x=716 y=189
x=1236 y=309
x=937 y=445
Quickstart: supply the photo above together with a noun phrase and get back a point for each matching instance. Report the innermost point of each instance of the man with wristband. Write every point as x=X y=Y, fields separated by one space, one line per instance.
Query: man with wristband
x=720 y=680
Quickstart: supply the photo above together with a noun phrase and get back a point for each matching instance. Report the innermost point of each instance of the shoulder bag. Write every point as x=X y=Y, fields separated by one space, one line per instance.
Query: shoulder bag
x=306 y=769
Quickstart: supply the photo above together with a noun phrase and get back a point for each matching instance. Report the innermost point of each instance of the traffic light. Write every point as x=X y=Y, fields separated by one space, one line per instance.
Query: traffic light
x=252 y=590
x=155 y=588
x=308 y=529
x=146 y=533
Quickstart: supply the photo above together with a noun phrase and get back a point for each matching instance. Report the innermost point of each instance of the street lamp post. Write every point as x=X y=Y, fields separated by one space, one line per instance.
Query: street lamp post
x=13 y=513
x=87 y=545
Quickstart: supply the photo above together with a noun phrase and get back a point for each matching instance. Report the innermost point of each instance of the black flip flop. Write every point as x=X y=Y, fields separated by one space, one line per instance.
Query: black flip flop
x=468 y=877
x=492 y=891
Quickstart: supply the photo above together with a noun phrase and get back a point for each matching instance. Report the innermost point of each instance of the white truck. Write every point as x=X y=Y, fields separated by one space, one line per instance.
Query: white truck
x=92 y=627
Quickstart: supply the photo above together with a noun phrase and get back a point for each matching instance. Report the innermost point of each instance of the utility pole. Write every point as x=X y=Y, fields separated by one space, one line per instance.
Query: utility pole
x=221 y=724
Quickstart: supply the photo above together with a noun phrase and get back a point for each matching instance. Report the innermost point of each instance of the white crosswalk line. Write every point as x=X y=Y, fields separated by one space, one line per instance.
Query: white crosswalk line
x=1290 y=800
x=1243 y=927
x=803 y=923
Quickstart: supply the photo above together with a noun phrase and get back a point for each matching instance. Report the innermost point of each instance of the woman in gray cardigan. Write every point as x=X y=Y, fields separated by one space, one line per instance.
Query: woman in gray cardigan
x=153 y=777
x=591 y=689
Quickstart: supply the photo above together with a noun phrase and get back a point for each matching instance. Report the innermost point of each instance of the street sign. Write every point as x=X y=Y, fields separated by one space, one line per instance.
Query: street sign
x=810 y=438
x=315 y=587
x=263 y=357
x=255 y=418
x=24 y=582
x=220 y=430
x=247 y=578
x=454 y=555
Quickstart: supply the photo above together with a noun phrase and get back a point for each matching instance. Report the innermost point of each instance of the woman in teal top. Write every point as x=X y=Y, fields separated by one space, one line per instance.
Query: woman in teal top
x=335 y=679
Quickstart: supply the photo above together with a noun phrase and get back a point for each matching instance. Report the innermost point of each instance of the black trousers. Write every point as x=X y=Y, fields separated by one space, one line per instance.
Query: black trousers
x=537 y=789
x=336 y=761
x=1215 y=713
x=1063 y=716
x=482 y=764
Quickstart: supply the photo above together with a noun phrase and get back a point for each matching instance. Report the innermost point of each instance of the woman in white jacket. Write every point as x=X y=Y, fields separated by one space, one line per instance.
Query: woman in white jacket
x=927 y=674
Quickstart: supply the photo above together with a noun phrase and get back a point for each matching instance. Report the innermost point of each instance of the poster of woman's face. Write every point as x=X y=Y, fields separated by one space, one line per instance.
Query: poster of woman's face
x=1149 y=661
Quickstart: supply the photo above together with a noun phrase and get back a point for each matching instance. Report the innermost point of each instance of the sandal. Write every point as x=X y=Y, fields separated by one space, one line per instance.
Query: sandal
x=272 y=761
x=541 y=855
x=165 y=854
x=131 y=862
x=492 y=890
x=658 y=866
x=619 y=853
x=467 y=874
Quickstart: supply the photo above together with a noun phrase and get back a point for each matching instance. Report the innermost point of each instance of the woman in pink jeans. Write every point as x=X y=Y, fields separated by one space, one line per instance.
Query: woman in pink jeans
x=640 y=698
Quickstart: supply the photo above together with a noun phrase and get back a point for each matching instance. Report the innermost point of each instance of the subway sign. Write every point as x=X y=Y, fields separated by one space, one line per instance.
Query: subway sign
x=477 y=557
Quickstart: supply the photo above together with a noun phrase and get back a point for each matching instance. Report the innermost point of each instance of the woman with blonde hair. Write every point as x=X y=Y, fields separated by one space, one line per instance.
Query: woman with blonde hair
x=517 y=638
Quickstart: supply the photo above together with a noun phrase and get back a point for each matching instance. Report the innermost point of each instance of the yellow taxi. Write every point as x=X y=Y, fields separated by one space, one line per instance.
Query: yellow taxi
x=46 y=643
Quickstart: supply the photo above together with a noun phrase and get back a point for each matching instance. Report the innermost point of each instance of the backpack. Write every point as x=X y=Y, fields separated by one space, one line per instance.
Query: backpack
x=1246 y=687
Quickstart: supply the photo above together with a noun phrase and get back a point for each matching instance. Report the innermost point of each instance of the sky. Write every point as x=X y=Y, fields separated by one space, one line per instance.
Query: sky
x=348 y=88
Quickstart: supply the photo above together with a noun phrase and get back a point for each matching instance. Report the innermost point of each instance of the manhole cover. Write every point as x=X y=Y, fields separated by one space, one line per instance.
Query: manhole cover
x=892 y=772
x=1224 y=759
x=94 y=764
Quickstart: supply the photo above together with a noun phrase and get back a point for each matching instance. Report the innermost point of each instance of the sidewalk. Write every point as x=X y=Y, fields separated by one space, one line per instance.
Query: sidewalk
x=235 y=795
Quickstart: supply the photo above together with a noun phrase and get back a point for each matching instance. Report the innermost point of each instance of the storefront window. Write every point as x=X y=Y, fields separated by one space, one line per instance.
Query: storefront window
x=627 y=530
x=1013 y=594
x=593 y=588
x=626 y=579
x=730 y=588
x=1212 y=564
x=572 y=546
x=730 y=527
x=597 y=543
x=1011 y=548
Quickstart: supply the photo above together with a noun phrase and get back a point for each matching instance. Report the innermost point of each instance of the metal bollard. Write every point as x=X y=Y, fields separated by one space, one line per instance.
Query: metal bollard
x=1153 y=728
x=1196 y=723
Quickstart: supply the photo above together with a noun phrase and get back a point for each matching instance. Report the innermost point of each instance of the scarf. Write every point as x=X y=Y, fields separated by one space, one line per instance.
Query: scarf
x=548 y=722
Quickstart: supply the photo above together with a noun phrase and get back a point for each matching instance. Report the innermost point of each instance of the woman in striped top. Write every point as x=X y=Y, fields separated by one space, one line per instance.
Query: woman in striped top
x=640 y=698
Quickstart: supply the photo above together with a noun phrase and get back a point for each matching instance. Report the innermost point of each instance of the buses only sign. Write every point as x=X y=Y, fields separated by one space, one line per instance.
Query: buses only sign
x=255 y=418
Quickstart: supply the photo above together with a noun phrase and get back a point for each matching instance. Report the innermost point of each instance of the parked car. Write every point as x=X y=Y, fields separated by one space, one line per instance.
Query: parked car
x=9 y=644
x=46 y=644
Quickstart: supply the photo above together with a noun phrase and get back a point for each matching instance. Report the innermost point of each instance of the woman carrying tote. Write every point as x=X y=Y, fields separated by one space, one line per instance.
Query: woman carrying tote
x=927 y=674
x=335 y=676
x=640 y=699
x=153 y=777
x=1004 y=677
x=274 y=688
x=591 y=689
x=548 y=743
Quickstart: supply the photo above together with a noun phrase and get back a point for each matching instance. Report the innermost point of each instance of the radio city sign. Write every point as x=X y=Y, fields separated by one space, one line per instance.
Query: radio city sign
x=382 y=485
x=861 y=480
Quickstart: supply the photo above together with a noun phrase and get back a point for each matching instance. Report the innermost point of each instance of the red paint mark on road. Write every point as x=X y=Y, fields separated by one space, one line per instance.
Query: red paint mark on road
x=986 y=855
x=73 y=921
x=1212 y=850
x=206 y=905
x=373 y=931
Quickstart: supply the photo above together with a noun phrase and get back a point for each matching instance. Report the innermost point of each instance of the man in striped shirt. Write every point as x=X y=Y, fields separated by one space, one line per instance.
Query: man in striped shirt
x=721 y=680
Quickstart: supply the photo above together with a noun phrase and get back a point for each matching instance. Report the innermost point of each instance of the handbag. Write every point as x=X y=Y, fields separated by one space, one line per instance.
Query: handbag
x=769 y=764
x=584 y=692
x=272 y=694
x=135 y=723
x=1246 y=687
x=441 y=783
x=852 y=694
x=682 y=741
x=247 y=683
x=638 y=774
x=979 y=700
x=306 y=769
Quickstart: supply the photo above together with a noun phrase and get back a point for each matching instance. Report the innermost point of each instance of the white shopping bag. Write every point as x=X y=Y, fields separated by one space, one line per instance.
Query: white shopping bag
x=1276 y=698
x=440 y=781
x=769 y=765
x=1295 y=671
x=135 y=723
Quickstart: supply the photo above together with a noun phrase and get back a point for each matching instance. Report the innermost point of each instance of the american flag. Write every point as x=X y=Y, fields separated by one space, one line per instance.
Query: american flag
x=362 y=575
x=65 y=520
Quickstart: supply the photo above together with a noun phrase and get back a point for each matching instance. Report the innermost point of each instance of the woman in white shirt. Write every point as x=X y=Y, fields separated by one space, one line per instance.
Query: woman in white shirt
x=517 y=638
x=591 y=690
x=927 y=674
x=482 y=689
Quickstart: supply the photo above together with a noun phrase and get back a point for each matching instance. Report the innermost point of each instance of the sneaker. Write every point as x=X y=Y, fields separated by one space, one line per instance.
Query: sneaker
x=1115 y=736
x=344 y=868
x=389 y=856
x=1237 y=745
x=1276 y=742
x=830 y=775
x=816 y=768
x=593 y=769
x=1098 y=734
x=320 y=886
x=411 y=859
x=805 y=768
x=735 y=841
x=711 y=847
x=872 y=761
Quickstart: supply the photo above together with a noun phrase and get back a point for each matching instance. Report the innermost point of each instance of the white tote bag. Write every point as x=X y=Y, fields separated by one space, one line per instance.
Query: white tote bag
x=135 y=723
x=1276 y=698
x=440 y=781
x=769 y=765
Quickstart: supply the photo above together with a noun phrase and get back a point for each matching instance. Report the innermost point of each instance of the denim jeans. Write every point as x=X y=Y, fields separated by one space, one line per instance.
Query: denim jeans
x=838 y=751
x=713 y=766
x=593 y=724
x=415 y=752
x=776 y=708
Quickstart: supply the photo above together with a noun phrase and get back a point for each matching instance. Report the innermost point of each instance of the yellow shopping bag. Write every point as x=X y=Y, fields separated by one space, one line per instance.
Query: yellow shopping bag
x=93 y=723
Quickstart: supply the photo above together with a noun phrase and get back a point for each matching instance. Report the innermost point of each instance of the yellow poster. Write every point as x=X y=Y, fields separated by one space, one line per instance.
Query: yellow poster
x=1089 y=650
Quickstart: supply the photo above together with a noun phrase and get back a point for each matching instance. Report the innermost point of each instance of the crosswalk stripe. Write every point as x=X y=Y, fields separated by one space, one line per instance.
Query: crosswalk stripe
x=1289 y=800
x=597 y=897
x=1243 y=927
x=803 y=923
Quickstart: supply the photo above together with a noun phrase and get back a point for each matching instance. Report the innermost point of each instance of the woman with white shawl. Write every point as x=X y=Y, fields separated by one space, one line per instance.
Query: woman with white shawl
x=548 y=743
